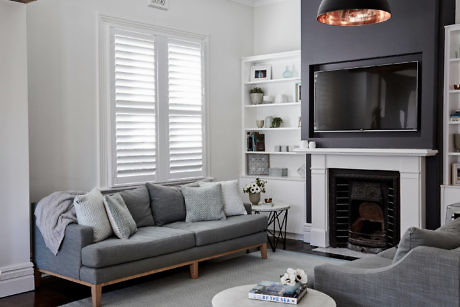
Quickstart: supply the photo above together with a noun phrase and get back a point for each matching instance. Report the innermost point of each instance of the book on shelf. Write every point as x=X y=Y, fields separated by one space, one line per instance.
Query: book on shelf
x=275 y=292
x=255 y=141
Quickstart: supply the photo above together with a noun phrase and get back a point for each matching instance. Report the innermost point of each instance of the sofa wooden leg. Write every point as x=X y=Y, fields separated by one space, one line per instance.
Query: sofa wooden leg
x=263 y=251
x=37 y=278
x=194 y=270
x=96 y=293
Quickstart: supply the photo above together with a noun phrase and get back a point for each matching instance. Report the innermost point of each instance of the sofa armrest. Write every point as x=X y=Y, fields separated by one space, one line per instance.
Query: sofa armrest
x=68 y=260
x=426 y=276
x=248 y=208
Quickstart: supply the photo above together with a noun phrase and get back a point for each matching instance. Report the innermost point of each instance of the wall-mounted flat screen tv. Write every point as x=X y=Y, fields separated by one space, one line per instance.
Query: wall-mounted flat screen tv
x=367 y=99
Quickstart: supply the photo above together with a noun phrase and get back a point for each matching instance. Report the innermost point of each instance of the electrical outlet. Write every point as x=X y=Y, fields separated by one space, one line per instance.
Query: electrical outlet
x=159 y=4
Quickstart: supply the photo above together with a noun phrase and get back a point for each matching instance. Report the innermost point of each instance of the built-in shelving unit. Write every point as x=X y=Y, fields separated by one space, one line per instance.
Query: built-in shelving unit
x=290 y=189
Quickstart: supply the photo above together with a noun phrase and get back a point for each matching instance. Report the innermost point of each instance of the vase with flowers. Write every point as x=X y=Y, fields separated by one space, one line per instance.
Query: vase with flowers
x=254 y=189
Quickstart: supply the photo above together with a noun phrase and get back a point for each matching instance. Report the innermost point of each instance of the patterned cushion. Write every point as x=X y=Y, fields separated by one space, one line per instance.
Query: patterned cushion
x=167 y=204
x=138 y=203
x=233 y=203
x=91 y=212
x=123 y=224
x=204 y=203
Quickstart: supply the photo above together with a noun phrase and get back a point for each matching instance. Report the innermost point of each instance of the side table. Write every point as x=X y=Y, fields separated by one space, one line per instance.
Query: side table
x=277 y=217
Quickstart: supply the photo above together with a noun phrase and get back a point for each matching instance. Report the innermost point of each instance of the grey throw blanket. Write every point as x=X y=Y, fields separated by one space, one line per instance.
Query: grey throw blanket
x=53 y=213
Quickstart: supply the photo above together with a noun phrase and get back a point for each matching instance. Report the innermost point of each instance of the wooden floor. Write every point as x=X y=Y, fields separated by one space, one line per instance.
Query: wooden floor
x=55 y=292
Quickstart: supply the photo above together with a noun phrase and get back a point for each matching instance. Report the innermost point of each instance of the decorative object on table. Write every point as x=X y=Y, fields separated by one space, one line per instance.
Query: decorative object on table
x=456 y=86
x=261 y=73
x=298 y=92
x=278 y=172
x=268 y=99
x=456 y=173
x=288 y=73
x=254 y=189
x=455 y=116
x=277 y=293
x=283 y=148
x=276 y=122
x=278 y=148
x=304 y=144
x=260 y=123
x=268 y=200
x=280 y=98
x=312 y=145
x=257 y=95
x=258 y=164
x=268 y=121
x=277 y=223
x=286 y=148
x=452 y=212
x=293 y=279
x=255 y=141
x=293 y=148
x=302 y=171
x=159 y=4
x=353 y=13
x=457 y=142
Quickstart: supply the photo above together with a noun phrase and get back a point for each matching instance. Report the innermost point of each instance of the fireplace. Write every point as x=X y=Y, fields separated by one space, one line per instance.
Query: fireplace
x=364 y=211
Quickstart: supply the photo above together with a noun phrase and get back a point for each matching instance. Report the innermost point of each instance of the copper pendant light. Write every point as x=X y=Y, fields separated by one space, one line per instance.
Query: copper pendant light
x=353 y=12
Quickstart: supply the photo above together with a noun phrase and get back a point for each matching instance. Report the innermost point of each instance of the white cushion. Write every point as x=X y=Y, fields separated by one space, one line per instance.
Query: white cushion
x=91 y=212
x=123 y=224
x=231 y=196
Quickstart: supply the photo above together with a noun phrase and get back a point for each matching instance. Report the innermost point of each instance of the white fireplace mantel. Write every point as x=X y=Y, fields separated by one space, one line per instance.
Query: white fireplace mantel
x=410 y=163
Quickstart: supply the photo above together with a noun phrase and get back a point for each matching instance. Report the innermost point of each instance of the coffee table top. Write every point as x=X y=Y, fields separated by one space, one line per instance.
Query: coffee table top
x=270 y=207
x=238 y=296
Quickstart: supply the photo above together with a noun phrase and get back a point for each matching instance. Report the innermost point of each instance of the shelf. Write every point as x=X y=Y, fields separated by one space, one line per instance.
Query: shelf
x=273 y=81
x=451 y=122
x=454 y=91
x=454 y=60
x=453 y=153
x=272 y=129
x=274 y=153
x=269 y=105
x=292 y=178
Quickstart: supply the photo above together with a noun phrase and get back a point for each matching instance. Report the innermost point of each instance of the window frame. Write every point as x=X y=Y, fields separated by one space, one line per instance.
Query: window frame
x=106 y=136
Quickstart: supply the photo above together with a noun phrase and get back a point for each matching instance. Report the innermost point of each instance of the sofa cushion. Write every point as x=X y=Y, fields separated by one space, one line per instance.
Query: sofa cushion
x=145 y=243
x=209 y=232
x=90 y=211
x=231 y=196
x=167 y=204
x=414 y=237
x=204 y=203
x=123 y=224
x=138 y=202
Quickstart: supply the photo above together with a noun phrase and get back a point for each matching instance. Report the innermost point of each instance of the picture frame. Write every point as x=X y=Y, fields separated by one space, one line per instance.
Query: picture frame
x=456 y=173
x=298 y=92
x=261 y=73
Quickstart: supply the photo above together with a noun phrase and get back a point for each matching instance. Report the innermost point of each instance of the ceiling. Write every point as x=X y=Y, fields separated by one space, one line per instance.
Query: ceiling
x=257 y=3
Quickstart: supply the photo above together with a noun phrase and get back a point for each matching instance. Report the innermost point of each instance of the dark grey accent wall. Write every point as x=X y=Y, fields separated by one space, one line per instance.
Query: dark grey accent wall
x=416 y=27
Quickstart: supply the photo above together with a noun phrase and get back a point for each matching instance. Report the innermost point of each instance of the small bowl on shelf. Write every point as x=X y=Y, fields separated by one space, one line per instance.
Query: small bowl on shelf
x=456 y=86
x=268 y=99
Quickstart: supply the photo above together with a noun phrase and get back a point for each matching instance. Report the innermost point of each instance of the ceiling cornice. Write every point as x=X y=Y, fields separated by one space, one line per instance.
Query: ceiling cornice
x=23 y=1
x=258 y=3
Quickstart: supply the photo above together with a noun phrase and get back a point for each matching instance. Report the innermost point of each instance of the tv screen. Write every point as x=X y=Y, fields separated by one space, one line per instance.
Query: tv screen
x=377 y=98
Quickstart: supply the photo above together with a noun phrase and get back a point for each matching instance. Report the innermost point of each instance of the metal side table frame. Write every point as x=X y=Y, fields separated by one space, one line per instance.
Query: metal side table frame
x=277 y=217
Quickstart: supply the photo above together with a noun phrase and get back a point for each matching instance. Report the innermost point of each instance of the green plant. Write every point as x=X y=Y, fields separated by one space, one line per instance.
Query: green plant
x=277 y=121
x=256 y=90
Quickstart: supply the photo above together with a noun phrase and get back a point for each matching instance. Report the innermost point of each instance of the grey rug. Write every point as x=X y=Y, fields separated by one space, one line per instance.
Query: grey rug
x=177 y=289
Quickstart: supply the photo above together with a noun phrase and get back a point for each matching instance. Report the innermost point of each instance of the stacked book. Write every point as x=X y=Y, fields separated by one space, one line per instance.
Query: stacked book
x=455 y=116
x=276 y=292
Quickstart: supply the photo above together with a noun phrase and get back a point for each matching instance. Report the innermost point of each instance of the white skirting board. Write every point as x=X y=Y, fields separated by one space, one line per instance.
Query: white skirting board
x=16 y=279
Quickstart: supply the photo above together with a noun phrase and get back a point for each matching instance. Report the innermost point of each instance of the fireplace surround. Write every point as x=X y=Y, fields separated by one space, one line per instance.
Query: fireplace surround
x=364 y=209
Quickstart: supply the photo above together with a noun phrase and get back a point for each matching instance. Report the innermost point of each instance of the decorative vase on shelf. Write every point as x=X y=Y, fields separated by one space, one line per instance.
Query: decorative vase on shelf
x=256 y=98
x=287 y=73
x=254 y=198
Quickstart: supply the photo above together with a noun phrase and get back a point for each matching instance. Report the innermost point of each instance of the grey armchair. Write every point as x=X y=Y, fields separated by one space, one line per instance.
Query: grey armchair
x=426 y=276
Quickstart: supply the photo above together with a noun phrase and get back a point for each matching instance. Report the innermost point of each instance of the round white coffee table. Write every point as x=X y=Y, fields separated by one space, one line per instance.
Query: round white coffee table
x=238 y=296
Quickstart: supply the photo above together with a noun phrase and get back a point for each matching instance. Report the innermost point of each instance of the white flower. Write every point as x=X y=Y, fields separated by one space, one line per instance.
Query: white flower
x=301 y=277
x=254 y=185
x=247 y=187
x=288 y=279
x=253 y=190
x=257 y=189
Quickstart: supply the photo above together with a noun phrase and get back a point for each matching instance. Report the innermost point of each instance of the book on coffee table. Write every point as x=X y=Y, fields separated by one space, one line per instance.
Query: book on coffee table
x=275 y=292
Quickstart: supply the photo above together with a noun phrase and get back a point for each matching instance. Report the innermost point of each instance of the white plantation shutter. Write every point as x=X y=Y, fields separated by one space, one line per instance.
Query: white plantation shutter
x=186 y=146
x=134 y=106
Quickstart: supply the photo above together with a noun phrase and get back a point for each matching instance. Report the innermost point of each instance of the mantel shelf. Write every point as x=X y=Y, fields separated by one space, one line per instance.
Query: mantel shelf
x=370 y=152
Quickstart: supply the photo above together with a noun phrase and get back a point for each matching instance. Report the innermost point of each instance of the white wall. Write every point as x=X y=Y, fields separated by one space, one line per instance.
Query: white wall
x=277 y=27
x=64 y=83
x=15 y=267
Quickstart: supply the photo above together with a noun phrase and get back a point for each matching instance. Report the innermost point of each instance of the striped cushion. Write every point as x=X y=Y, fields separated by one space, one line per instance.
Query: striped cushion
x=123 y=224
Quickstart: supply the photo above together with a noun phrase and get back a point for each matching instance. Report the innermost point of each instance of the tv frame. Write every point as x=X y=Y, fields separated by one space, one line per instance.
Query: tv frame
x=417 y=97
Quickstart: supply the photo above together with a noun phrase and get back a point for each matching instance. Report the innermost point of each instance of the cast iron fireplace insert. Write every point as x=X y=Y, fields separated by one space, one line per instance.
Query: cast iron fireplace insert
x=364 y=209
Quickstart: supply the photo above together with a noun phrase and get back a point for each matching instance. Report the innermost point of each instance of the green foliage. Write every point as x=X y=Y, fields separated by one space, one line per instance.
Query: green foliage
x=256 y=90
x=277 y=121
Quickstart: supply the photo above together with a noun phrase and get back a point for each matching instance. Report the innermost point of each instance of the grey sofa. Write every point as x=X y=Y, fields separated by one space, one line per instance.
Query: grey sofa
x=152 y=249
x=426 y=276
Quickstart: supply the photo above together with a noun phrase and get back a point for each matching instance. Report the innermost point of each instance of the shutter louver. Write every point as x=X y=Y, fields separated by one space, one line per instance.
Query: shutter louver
x=134 y=108
x=186 y=148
